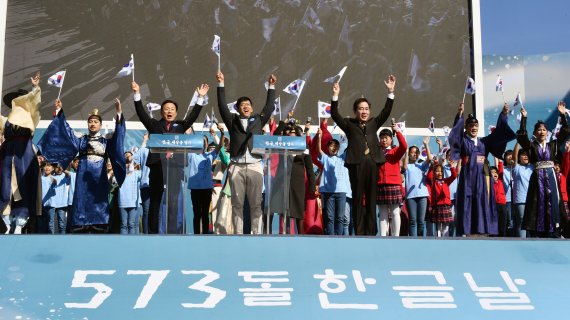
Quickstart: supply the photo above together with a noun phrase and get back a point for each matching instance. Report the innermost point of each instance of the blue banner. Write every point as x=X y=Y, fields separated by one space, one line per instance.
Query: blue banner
x=246 y=277
x=263 y=144
x=172 y=142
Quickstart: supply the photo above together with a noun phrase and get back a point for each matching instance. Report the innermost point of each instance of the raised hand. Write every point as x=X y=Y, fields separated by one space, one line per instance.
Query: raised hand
x=272 y=80
x=523 y=112
x=320 y=133
x=57 y=105
x=395 y=127
x=561 y=107
x=461 y=108
x=118 y=106
x=36 y=79
x=505 y=108
x=290 y=114
x=426 y=140
x=439 y=142
x=390 y=83
x=336 y=89
x=203 y=89
x=220 y=77
x=135 y=87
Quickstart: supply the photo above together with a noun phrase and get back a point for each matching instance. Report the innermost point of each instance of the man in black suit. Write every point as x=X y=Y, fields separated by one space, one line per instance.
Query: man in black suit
x=363 y=154
x=246 y=171
x=167 y=124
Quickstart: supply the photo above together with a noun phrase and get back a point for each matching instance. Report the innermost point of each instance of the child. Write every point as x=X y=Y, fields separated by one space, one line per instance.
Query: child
x=201 y=184
x=46 y=221
x=441 y=214
x=129 y=198
x=500 y=197
x=389 y=196
x=416 y=190
x=333 y=186
x=59 y=200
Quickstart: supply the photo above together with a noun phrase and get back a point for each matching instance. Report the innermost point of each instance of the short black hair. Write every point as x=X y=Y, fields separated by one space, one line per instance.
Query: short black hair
x=168 y=101
x=386 y=132
x=508 y=152
x=242 y=99
x=359 y=101
x=538 y=124
x=331 y=141
x=493 y=168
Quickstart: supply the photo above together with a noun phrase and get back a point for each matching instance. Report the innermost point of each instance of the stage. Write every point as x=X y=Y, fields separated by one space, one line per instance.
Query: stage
x=281 y=277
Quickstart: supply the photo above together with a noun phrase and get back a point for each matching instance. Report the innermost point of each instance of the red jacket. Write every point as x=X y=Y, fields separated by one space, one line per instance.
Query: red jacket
x=564 y=168
x=389 y=171
x=499 y=186
x=439 y=189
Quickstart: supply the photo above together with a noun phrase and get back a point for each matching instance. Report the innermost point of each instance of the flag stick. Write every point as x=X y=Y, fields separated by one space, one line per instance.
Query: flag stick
x=219 y=68
x=133 y=70
x=503 y=94
x=61 y=87
x=463 y=101
x=299 y=96
x=279 y=110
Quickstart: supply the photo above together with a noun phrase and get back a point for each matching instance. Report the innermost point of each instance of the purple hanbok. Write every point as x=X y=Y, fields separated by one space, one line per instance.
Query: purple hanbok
x=476 y=207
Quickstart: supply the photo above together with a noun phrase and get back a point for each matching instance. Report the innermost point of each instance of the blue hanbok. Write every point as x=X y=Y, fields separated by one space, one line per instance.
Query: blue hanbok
x=90 y=199
x=476 y=207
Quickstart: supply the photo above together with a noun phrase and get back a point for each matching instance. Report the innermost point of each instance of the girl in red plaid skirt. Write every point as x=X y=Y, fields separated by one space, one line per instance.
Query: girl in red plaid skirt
x=389 y=197
x=441 y=214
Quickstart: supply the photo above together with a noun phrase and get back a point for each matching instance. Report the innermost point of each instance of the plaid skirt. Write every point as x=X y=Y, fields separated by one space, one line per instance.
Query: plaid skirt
x=441 y=214
x=389 y=194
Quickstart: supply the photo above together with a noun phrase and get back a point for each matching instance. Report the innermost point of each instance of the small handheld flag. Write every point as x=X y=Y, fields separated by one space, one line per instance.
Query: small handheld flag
x=277 y=107
x=128 y=69
x=295 y=87
x=57 y=81
x=233 y=107
x=152 y=107
x=324 y=109
x=336 y=78
x=431 y=126
x=216 y=48
x=499 y=85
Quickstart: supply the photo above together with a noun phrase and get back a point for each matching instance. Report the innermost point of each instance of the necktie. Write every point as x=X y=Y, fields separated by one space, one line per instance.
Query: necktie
x=168 y=154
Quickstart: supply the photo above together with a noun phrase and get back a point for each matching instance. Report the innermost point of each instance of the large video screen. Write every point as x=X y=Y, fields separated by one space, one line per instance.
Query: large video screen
x=425 y=44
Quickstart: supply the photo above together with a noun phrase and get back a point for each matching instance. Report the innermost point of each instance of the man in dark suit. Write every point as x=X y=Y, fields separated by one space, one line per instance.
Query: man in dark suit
x=167 y=124
x=363 y=154
x=246 y=172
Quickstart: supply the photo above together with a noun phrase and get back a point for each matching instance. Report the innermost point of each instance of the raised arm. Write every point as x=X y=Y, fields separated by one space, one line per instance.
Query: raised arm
x=219 y=143
x=222 y=105
x=338 y=119
x=188 y=121
x=385 y=112
x=564 y=130
x=270 y=101
x=319 y=138
x=522 y=137
x=428 y=152
x=402 y=143
x=144 y=117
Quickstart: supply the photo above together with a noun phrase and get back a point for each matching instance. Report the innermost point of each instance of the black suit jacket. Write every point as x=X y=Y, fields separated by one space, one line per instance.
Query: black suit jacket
x=159 y=126
x=240 y=138
x=359 y=136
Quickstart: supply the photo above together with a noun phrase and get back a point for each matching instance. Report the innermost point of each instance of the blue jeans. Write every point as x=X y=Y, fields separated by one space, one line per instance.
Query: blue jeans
x=417 y=212
x=128 y=220
x=45 y=221
x=61 y=217
x=145 y=198
x=349 y=226
x=517 y=220
x=335 y=208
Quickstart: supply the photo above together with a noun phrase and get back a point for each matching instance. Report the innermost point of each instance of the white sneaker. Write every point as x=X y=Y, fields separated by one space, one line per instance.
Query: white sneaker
x=18 y=230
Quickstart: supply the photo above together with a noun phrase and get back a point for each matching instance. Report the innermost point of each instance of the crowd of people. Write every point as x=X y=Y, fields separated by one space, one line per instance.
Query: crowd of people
x=75 y=182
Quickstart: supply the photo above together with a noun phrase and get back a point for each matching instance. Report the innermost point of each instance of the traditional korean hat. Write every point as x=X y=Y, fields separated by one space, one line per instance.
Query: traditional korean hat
x=7 y=99
x=95 y=114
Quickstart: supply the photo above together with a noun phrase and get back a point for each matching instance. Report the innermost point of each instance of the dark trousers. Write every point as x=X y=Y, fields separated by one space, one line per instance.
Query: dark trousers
x=201 y=199
x=363 y=180
x=156 y=185
x=502 y=213
x=156 y=181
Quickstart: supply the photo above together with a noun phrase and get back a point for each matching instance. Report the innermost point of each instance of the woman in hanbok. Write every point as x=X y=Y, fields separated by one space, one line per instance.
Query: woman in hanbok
x=476 y=207
x=542 y=211
x=90 y=213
